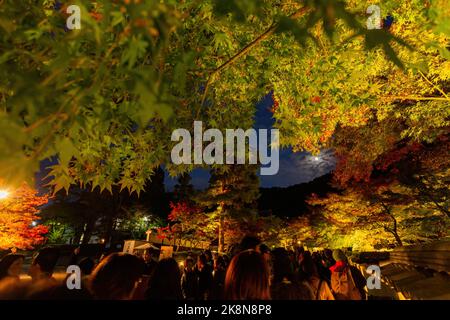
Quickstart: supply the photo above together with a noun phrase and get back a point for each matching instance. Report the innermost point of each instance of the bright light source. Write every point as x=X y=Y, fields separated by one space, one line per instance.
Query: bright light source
x=316 y=158
x=34 y=223
x=3 y=194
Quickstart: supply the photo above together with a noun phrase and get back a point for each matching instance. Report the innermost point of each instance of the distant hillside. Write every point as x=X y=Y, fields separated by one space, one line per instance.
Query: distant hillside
x=290 y=201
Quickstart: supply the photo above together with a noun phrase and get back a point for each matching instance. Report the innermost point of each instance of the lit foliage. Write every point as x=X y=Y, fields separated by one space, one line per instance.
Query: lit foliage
x=136 y=221
x=188 y=222
x=106 y=98
x=383 y=217
x=298 y=231
x=58 y=232
x=17 y=212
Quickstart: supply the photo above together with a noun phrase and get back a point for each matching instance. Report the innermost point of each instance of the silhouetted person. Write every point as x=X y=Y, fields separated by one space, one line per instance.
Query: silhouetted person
x=347 y=282
x=247 y=277
x=284 y=284
x=150 y=262
x=54 y=291
x=43 y=265
x=116 y=277
x=189 y=282
x=204 y=276
x=220 y=270
x=319 y=287
x=11 y=266
x=249 y=243
x=165 y=282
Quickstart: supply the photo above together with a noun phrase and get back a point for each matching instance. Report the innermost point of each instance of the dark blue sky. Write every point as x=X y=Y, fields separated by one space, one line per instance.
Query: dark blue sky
x=294 y=168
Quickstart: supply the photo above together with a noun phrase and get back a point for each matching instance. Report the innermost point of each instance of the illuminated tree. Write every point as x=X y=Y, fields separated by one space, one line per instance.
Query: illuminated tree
x=184 y=190
x=230 y=198
x=377 y=217
x=19 y=217
x=188 y=222
x=105 y=99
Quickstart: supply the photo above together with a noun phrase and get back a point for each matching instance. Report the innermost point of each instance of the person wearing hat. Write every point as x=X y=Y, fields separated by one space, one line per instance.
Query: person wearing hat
x=347 y=282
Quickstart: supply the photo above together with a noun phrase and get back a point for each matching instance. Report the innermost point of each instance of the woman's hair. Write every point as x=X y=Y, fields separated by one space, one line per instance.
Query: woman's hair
x=165 y=283
x=287 y=290
x=249 y=242
x=115 y=276
x=6 y=262
x=247 y=277
x=308 y=267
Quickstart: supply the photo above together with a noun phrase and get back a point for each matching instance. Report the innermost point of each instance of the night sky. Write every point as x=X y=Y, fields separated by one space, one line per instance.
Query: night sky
x=295 y=167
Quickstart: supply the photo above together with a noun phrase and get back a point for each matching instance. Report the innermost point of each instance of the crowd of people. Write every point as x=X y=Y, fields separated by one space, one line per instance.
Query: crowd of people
x=251 y=271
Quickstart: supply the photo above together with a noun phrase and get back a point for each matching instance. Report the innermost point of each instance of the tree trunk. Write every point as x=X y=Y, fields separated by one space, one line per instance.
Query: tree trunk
x=221 y=230
x=87 y=232
x=108 y=230
x=77 y=237
x=392 y=230
x=397 y=238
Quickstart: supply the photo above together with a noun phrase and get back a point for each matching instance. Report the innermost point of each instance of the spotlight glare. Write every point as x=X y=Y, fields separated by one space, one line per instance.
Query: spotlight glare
x=4 y=194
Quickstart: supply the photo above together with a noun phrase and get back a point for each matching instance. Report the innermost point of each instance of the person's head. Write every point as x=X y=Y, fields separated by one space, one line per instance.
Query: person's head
x=300 y=253
x=208 y=255
x=86 y=265
x=219 y=263
x=11 y=265
x=339 y=255
x=201 y=262
x=265 y=251
x=327 y=258
x=165 y=283
x=147 y=256
x=44 y=263
x=250 y=243
x=115 y=277
x=308 y=267
x=189 y=263
x=247 y=277
x=281 y=265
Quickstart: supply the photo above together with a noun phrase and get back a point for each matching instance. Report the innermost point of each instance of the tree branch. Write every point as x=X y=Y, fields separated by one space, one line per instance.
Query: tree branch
x=390 y=98
x=246 y=49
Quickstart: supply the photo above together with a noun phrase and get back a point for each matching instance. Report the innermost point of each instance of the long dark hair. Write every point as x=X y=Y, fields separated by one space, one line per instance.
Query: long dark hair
x=165 y=283
x=308 y=268
x=247 y=277
x=6 y=263
x=115 y=276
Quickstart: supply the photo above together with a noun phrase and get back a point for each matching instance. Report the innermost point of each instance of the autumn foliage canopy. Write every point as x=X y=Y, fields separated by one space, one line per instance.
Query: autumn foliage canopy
x=17 y=212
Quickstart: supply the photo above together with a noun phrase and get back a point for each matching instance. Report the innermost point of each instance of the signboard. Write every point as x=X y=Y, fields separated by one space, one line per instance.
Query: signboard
x=128 y=246
x=178 y=242
x=166 y=252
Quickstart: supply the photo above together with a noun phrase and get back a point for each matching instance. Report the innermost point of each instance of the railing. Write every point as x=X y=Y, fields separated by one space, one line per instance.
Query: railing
x=418 y=272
